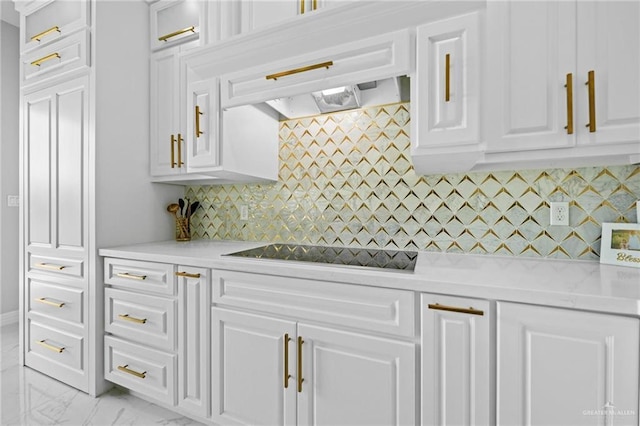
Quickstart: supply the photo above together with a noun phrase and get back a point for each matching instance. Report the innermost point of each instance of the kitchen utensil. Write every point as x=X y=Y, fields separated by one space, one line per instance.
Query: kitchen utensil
x=181 y=204
x=193 y=208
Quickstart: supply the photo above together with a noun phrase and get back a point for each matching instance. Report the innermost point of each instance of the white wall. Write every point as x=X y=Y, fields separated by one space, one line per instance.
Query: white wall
x=9 y=116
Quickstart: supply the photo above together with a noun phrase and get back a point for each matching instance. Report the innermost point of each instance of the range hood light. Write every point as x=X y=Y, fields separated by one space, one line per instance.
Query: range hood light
x=337 y=99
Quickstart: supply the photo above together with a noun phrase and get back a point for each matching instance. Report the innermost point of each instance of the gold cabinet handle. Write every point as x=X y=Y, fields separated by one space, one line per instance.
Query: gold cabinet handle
x=129 y=276
x=52 y=348
x=591 y=83
x=302 y=7
x=300 y=379
x=569 y=86
x=39 y=36
x=447 y=77
x=166 y=37
x=173 y=155
x=126 y=317
x=43 y=300
x=179 y=142
x=299 y=70
x=39 y=62
x=287 y=376
x=127 y=370
x=469 y=310
x=198 y=114
x=315 y=4
x=50 y=266
x=187 y=274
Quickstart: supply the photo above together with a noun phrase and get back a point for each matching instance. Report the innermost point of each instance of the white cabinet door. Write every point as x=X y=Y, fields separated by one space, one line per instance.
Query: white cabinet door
x=55 y=148
x=353 y=379
x=263 y=13
x=531 y=47
x=609 y=45
x=446 y=96
x=44 y=21
x=457 y=370
x=194 y=287
x=564 y=367
x=249 y=365
x=203 y=131
x=176 y=21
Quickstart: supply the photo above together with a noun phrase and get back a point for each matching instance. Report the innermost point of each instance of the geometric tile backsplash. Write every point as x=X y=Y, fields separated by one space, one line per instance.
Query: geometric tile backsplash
x=346 y=179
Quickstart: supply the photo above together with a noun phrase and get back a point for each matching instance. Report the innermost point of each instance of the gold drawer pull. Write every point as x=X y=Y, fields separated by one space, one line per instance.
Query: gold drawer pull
x=591 y=83
x=50 y=347
x=569 y=86
x=187 y=274
x=126 y=317
x=469 y=310
x=177 y=33
x=131 y=276
x=132 y=372
x=38 y=36
x=39 y=62
x=287 y=376
x=179 y=142
x=198 y=114
x=49 y=302
x=50 y=266
x=299 y=70
x=300 y=379
x=447 y=77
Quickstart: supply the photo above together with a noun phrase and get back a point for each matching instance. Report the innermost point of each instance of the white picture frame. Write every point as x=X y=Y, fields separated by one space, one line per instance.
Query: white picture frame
x=620 y=244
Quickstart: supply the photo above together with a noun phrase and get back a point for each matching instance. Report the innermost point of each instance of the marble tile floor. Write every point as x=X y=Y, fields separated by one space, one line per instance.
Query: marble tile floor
x=28 y=397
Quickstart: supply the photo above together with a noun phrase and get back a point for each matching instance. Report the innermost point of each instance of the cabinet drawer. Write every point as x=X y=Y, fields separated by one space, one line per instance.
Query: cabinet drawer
x=375 y=58
x=65 y=55
x=55 y=301
x=144 y=370
x=149 y=320
x=175 y=21
x=58 y=266
x=371 y=308
x=44 y=22
x=54 y=346
x=137 y=275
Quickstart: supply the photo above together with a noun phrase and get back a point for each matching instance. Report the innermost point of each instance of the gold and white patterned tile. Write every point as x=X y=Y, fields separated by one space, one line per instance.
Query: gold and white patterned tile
x=346 y=179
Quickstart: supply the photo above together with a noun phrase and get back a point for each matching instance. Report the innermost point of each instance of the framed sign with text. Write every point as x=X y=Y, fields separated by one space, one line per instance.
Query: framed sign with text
x=620 y=244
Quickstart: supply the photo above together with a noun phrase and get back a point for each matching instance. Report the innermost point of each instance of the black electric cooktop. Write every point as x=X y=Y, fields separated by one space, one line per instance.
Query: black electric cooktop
x=345 y=256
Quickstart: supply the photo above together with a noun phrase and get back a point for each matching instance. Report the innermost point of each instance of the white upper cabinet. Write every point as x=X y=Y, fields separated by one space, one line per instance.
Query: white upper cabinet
x=365 y=60
x=202 y=127
x=563 y=367
x=176 y=21
x=539 y=94
x=446 y=95
x=43 y=22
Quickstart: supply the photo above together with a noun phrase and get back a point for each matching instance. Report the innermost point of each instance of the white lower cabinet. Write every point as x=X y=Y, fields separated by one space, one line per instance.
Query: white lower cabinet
x=565 y=367
x=270 y=371
x=157 y=342
x=457 y=368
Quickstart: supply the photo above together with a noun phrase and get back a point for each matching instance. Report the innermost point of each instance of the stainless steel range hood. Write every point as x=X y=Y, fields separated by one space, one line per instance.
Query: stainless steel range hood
x=380 y=92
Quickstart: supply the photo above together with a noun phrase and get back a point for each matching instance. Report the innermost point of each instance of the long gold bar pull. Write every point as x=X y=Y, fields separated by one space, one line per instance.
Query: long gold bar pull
x=166 y=37
x=569 y=86
x=173 y=155
x=49 y=266
x=39 y=36
x=179 y=141
x=287 y=376
x=300 y=379
x=447 y=77
x=299 y=70
x=124 y=368
x=43 y=300
x=469 y=310
x=40 y=61
x=187 y=275
x=591 y=82
x=315 y=4
x=198 y=114
x=131 y=276
x=126 y=317
x=302 y=7
x=52 y=348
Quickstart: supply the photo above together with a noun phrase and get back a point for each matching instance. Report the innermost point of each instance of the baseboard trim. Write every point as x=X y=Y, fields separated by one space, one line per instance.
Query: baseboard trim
x=9 y=318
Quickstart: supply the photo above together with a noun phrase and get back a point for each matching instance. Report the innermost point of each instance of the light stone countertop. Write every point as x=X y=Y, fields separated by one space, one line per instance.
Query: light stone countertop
x=574 y=284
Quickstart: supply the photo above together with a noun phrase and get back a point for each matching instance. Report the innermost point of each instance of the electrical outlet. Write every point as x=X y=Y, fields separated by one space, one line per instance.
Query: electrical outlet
x=559 y=213
x=244 y=212
x=13 y=200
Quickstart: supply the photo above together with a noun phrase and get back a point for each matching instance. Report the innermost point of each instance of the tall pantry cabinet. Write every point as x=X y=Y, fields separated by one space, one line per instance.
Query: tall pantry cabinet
x=84 y=174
